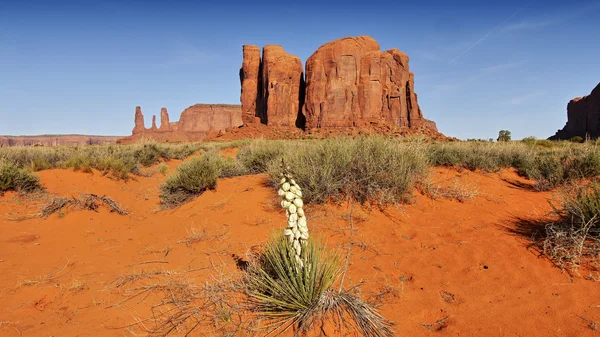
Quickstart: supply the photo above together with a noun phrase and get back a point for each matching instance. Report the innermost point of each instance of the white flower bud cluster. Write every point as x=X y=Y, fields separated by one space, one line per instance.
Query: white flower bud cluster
x=296 y=231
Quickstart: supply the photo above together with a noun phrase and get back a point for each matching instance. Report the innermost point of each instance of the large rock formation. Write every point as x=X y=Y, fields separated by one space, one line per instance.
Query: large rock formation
x=249 y=78
x=196 y=123
x=272 y=87
x=351 y=87
x=350 y=83
x=583 y=117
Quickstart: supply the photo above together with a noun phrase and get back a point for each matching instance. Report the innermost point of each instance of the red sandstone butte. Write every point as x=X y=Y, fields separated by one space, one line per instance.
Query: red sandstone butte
x=249 y=74
x=350 y=83
x=272 y=86
x=583 y=117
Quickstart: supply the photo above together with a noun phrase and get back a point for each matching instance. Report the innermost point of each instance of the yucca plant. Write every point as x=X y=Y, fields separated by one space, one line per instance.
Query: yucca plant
x=290 y=283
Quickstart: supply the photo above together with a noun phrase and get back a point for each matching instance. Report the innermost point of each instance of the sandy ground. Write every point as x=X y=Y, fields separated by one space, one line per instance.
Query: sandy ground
x=463 y=264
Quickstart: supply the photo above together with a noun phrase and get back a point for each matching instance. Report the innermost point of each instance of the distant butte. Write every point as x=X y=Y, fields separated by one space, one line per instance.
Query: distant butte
x=350 y=87
x=583 y=117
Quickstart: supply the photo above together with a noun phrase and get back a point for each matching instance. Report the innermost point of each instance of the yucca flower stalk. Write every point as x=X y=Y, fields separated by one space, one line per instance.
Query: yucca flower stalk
x=296 y=231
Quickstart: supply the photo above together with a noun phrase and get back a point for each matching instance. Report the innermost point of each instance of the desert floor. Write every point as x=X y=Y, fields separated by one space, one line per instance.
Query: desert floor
x=466 y=265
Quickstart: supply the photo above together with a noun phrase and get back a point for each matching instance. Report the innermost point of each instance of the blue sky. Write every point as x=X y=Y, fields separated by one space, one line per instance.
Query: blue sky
x=83 y=66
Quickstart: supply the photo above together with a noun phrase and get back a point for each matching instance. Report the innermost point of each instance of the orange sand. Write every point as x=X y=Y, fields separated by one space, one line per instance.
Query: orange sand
x=431 y=259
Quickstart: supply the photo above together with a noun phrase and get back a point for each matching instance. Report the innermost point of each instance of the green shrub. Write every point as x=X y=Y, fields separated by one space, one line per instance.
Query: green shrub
x=149 y=154
x=13 y=178
x=162 y=168
x=191 y=179
x=576 y=139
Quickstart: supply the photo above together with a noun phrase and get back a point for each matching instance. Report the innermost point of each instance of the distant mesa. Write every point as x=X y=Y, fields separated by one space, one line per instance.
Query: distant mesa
x=583 y=117
x=197 y=122
x=349 y=86
x=56 y=140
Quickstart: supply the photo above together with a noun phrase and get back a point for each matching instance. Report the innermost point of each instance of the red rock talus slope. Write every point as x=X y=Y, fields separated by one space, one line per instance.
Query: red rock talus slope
x=583 y=117
x=55 y=140
x=197 y=122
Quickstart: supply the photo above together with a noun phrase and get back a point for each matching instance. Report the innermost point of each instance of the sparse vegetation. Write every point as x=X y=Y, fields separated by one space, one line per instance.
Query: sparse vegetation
x=330 y=169
x=117 y=161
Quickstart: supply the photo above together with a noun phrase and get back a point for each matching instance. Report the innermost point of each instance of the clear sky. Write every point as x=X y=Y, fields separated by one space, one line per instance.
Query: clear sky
x=83 y=66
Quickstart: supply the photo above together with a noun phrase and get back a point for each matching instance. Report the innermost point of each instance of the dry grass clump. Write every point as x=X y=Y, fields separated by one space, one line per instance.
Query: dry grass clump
x=213 y=308
x=574 y=239
x=90 y=202
x=457 y=191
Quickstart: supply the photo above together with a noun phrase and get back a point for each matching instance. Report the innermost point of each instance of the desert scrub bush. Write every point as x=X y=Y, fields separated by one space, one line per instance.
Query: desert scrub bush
x=488 y=157
x=368 y=169
x=257 y=156
x=13 y=178
x=290 y=283
x=231 y=167
x=162 y=168
x=118 y=160
x=191 y=179
x=150 y=154
x=574 y=239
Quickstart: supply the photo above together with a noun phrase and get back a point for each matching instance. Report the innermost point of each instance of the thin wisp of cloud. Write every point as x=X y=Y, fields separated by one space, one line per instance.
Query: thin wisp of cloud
x=489 y=33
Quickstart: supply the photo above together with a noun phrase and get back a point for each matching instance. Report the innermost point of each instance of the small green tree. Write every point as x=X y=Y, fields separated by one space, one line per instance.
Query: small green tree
x=503 y=136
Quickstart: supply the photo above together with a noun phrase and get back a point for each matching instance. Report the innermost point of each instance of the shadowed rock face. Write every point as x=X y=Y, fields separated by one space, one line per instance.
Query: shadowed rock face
x=349 y=83
x=272 y=87
x=249 y=78
x=583 y=117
